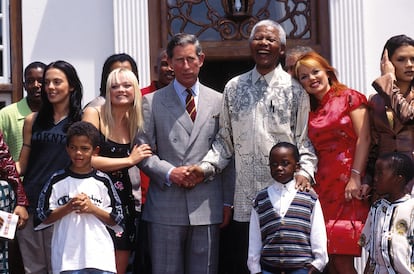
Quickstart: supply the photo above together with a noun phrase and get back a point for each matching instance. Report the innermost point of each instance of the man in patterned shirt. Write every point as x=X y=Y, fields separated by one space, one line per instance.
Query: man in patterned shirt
x=260 y=108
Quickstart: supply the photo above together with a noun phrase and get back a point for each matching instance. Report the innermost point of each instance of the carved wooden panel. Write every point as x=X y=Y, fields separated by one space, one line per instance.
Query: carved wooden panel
x=223 y=26
x=213 y=20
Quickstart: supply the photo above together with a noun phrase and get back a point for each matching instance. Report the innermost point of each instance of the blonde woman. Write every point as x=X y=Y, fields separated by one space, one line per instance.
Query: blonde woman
x=118 y=121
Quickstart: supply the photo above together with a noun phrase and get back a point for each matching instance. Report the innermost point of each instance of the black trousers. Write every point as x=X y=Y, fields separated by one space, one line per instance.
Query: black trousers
x=234 y=245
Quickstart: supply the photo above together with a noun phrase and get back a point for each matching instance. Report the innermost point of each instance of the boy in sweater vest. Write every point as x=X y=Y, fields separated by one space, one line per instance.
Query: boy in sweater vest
x=287 y=229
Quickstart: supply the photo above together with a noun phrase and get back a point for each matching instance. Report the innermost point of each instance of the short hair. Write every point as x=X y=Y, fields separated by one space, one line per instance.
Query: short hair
x=82 y=128
x=400 y=163
x=270 y=23
x=183 y=39
x=106 y=69
x=287 y=145
x=33 y=65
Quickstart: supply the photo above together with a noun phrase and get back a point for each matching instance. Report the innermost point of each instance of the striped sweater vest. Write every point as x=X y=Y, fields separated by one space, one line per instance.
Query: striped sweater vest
x=285 y=241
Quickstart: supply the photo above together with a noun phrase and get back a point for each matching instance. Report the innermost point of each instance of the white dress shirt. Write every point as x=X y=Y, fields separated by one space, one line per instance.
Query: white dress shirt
x=281 y=196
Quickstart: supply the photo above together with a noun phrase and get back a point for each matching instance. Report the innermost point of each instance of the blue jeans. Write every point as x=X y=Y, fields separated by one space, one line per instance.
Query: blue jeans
x=86 y=271
x=297 y=271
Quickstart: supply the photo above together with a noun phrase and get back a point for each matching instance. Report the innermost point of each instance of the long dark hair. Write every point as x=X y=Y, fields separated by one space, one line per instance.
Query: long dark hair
x=45 y=117
x=394 y=43
x=106 y=69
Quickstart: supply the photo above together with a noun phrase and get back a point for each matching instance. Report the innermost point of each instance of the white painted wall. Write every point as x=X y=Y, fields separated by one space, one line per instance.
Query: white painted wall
x=359 y=30
x=77 y=31
x=384 y=19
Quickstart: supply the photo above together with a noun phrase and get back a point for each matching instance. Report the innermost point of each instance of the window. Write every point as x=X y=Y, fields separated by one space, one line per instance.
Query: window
x=11 y=67
x=4 y=42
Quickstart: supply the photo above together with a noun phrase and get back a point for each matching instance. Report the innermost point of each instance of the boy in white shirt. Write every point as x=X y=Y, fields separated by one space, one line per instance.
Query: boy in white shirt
x=388 y=234
x=81 y=202
x=287 y=230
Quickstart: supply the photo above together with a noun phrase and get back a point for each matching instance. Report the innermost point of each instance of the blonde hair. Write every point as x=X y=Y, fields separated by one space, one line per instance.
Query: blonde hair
x=134 y=114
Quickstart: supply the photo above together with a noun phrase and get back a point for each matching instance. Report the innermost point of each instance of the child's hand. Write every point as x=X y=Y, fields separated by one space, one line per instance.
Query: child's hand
x=82 y=204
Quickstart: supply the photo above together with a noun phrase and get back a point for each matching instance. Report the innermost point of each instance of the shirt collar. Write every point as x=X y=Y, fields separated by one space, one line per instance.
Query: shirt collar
x=269 y=76
x=290 y=186
x=181 y=89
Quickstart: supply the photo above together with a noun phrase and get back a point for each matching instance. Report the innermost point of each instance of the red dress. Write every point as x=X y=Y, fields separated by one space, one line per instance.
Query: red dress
x=333 y=136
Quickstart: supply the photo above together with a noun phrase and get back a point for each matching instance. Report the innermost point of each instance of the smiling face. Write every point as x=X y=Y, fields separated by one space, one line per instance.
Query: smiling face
x=403 y=61
x=80 y=151
x=314 y=80
x=282 y=164
x=57 y=86
x=122 y=90
x=266 y=48
x=165 y=72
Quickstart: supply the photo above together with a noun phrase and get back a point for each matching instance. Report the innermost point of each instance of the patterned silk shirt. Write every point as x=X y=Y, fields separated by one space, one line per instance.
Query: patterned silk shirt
x=9 y=173
x=255 y=116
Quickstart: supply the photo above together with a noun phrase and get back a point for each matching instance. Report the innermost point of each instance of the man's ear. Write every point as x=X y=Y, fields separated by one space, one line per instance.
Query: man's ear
x=282 y=50
x=201 y=57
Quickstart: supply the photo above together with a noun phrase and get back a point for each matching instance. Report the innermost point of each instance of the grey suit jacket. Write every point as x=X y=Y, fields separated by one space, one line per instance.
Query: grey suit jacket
x=177 y=141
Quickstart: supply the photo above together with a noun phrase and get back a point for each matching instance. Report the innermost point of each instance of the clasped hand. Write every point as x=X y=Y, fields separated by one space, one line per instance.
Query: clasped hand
x=187 y=176
x=81 y=204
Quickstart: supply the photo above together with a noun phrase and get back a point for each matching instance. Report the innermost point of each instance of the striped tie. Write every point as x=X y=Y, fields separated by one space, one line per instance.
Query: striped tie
x=190 y=104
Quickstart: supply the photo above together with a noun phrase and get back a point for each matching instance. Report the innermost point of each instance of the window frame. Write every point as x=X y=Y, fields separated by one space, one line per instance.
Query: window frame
x=15 y=88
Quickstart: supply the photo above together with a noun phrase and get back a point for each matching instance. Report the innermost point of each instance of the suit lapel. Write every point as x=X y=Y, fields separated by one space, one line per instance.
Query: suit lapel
x=173 y=105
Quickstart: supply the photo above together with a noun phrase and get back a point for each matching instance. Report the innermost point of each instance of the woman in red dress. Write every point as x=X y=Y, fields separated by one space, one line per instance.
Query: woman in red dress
x=339 y=131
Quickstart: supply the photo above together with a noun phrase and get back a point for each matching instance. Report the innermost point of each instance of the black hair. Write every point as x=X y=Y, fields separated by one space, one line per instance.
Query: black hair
x=45 y=117
x=394 y=43
x=106 y=69
x=33 y=65
x=183 y=39
x=82 y=128
x=400 y=163
x=287 y=145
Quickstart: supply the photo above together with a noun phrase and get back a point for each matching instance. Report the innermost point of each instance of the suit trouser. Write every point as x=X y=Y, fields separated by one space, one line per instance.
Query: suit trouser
x=184 y=249
x=35 y=247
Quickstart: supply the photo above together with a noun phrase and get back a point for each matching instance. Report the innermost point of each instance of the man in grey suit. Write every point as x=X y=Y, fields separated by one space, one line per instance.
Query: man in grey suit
x=184 y=217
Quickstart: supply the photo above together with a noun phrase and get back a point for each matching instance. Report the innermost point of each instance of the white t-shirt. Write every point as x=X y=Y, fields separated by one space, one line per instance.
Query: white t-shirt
x=81 y=240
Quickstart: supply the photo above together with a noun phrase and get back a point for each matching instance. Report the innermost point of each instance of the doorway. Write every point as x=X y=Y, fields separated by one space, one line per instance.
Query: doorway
x=215 y=74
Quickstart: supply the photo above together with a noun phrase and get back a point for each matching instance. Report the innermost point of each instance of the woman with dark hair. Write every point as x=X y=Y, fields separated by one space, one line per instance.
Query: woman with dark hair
x=339 y=131
x=120 y=60
x=43 y=153
x=392 y=108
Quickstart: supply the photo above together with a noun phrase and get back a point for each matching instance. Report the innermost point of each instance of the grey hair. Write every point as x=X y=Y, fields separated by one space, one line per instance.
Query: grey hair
x=183 y=39
x=270 y=23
